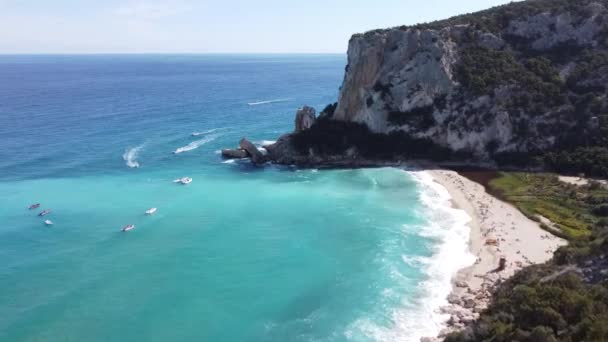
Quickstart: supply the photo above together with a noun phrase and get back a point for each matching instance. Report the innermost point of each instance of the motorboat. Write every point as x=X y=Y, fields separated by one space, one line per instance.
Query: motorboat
x=45 y=212
x=128 y=227
x=48 y=222
x=150 y=211
x=183 y=180
x=34 y=206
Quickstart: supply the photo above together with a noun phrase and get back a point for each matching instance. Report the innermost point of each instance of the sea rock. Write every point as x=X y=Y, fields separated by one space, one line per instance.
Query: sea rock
x=454 y=299
x=305 y=117
x=234 y=153
x=461 y=284
x=468 y=302
x=256 y=156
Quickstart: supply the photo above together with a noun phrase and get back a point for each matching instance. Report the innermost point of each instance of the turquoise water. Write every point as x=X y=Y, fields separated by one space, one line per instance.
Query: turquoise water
x=242 y=253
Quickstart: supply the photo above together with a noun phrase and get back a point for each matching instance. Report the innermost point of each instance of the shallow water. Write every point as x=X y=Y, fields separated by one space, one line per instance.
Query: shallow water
x=242 y=253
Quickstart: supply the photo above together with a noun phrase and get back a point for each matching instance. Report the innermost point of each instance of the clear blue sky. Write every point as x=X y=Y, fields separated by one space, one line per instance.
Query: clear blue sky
x=132 y=26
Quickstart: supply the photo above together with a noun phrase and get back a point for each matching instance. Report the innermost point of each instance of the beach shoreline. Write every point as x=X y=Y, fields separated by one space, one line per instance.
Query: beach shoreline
x=498 y=231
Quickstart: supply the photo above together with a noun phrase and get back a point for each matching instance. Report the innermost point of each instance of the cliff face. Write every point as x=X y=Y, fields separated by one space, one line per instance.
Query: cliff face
x=526 y=77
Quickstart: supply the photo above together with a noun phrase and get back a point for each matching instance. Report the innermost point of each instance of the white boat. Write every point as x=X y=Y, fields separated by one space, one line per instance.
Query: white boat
x=48 y=222
x=183 y=180
x=150 y=211
x=128 y=227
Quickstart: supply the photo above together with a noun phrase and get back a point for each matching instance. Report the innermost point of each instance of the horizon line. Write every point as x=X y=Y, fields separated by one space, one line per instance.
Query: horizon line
x=165 y=53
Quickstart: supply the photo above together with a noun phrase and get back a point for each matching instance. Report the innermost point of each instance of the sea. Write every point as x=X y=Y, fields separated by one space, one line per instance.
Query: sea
x=243 y=253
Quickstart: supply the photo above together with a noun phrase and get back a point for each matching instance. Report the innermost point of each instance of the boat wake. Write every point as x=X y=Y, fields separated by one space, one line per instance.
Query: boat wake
x=209 y=131
x=195 y=144
x=130 y=156
x=267 y=102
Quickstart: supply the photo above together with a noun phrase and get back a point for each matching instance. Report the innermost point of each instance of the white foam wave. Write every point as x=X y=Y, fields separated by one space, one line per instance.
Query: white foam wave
x=447 y=227
x=130 y=156
x=263 y=143
x=267 y=102
x=229 y=161
x=195 y=144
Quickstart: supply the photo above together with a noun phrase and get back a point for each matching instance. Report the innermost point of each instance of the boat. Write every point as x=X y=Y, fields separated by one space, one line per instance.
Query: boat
x=150 y=211
x=48 y=222
x=128 y=227
x=34 y=206
x=183 y=180
x=45 y=212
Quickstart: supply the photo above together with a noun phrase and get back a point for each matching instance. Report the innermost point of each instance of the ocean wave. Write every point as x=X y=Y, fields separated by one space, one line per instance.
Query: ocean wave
x=262 y=143
x=267 y=102
x=195 y=144
x=130 y=156
x=447 y=227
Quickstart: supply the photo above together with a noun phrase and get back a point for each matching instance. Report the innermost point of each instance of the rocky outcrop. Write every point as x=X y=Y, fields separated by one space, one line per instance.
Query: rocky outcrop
x=481 y=84
x=524 y=79
x=256 y=156
x=305 y=118
x=234 y=153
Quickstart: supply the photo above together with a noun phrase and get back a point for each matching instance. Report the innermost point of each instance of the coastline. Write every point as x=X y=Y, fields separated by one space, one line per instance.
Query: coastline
x=497 y=230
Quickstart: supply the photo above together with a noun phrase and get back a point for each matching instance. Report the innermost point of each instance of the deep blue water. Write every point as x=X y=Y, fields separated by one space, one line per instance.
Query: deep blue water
x=242 y=253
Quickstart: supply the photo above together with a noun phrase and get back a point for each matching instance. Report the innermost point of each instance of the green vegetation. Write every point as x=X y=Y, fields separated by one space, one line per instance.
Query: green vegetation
x=571 y=208
x=420 y=117
x=498 y=18
x=333 y=138
x=565 y=299
x=570 y=106
x=329 y=110
x=481 y=70
x=529 y=307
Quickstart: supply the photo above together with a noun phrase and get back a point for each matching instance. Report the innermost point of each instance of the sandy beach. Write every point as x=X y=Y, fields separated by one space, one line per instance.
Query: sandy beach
x=498 y=230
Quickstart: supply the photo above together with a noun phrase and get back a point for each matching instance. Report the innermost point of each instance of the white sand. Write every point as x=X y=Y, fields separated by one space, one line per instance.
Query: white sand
x=579 y=181
x=520 y=240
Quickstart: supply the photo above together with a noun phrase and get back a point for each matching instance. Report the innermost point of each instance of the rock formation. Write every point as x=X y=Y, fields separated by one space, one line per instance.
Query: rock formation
x=305 y=117
x=256 y=156
x=508 y=84
x=234 y=153
x=520 y=79
x=436 y=80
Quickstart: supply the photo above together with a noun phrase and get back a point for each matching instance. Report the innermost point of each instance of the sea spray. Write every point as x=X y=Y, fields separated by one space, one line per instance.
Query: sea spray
x=447 y=228
x=131 y=154
x=195 y=144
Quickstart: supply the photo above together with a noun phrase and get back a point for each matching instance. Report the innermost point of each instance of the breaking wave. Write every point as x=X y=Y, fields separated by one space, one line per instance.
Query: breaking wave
x=130 y=156
x=447 y=227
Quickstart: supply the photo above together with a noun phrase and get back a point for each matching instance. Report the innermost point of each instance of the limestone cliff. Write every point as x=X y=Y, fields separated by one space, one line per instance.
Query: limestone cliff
x=521 y=79
x=504 y=80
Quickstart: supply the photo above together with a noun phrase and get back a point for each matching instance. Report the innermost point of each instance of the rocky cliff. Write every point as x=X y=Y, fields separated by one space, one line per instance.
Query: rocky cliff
x=517 y=80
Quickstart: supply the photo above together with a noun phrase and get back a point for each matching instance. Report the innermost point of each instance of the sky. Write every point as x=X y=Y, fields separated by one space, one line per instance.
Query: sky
x=208 y=26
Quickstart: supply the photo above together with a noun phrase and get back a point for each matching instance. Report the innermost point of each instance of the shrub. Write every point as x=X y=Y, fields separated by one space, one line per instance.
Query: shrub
x=334 y=138
x=601 y=210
